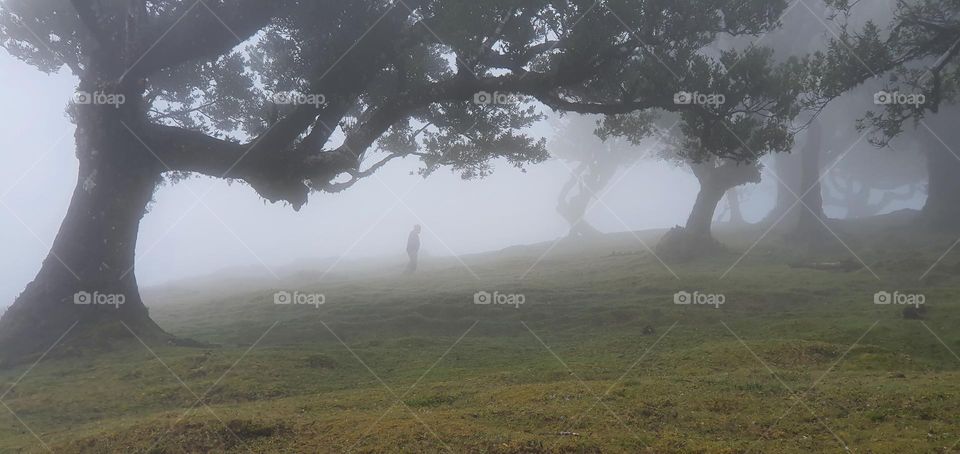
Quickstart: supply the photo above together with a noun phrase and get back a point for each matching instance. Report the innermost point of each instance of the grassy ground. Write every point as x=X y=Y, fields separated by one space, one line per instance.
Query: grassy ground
x=598 y=358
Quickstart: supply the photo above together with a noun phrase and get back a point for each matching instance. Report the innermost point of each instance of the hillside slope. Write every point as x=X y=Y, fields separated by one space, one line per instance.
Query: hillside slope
x=590 y=355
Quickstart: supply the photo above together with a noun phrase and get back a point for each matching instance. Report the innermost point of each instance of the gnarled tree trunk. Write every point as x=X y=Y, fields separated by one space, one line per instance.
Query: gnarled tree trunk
x=87 y=281
x=573 y=208
x=695 y=238
x=701 y=216
x=589 y=178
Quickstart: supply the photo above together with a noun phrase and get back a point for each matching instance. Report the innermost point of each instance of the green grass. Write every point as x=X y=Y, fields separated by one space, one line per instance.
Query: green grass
x=598 y=359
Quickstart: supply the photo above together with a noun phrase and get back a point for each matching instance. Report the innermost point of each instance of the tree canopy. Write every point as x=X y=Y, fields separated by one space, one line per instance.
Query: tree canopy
x=295 y=97
x=916 y=54
x=202 y=79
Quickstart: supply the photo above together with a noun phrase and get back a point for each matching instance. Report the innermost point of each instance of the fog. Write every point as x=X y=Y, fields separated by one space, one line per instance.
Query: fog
x=201 y=225
x=226 y=225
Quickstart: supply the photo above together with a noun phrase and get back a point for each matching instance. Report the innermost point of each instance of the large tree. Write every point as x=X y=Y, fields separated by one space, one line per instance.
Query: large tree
x=743 y=108
x=917 y=56
x=204 y=90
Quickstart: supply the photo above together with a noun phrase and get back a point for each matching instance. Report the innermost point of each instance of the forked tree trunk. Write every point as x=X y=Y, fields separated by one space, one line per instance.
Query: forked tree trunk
x=93 y=253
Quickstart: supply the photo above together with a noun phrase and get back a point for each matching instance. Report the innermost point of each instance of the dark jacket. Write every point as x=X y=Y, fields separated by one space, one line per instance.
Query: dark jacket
x=413 y=243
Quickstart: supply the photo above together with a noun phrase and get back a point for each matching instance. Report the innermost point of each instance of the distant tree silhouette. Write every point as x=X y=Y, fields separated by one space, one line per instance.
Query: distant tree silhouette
x=594 y=162
x=916 y=54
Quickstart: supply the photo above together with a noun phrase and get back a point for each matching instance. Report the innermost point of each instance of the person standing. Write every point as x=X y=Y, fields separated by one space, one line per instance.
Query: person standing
x=413 y=248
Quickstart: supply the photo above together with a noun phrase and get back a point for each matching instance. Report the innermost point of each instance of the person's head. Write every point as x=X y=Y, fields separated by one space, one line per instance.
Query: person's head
x=416 y=228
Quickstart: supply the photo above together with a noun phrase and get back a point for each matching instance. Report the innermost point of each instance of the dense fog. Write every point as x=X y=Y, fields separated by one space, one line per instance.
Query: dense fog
x=203 y=225
x=231 y=227
x=479 y=226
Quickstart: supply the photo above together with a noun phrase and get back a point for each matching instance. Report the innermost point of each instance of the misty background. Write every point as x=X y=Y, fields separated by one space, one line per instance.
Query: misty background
x=230 y=227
